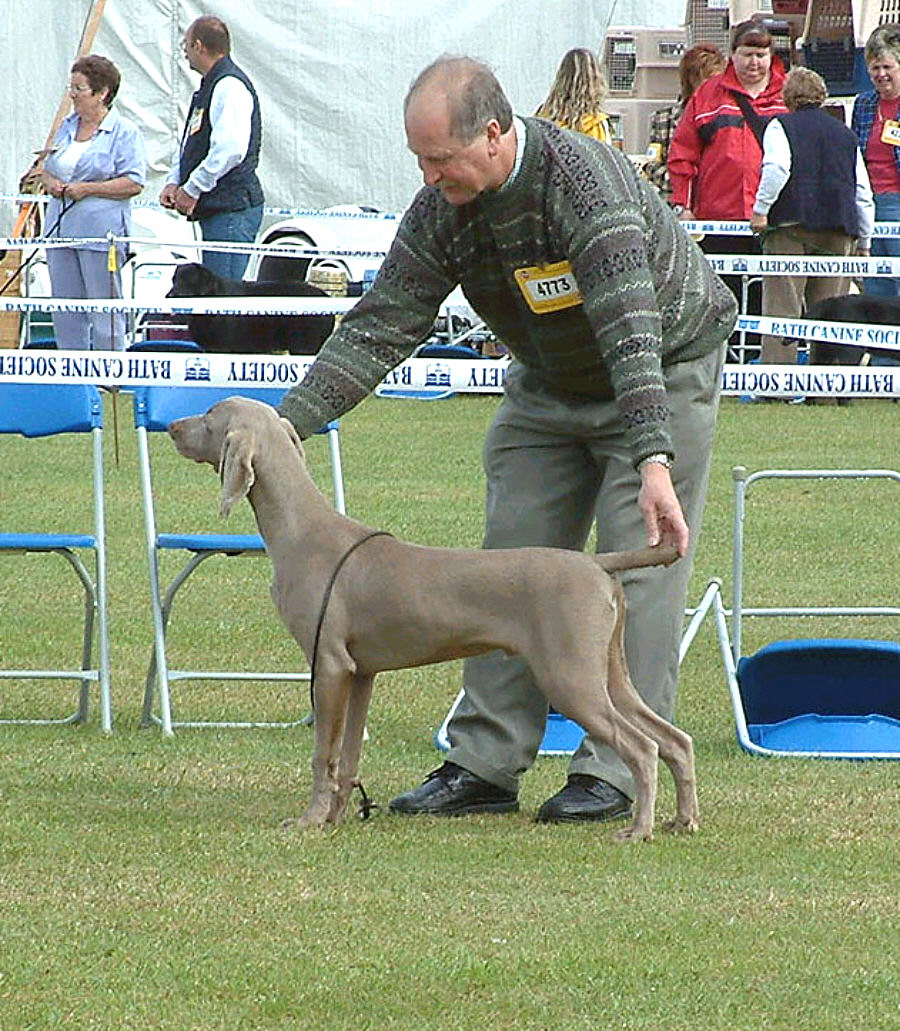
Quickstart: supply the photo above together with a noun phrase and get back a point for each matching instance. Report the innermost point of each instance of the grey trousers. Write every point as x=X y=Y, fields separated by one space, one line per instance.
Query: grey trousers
x=79 y=272
x=554 y=468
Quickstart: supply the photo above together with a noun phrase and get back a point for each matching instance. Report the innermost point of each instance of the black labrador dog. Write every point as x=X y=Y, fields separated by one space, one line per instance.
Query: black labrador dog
x=864 y=308
x=250 y=334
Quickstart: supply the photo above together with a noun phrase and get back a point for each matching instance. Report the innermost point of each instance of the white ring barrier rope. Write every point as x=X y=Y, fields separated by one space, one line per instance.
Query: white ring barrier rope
x=377 y=216
x=729 y=264
x=41 y=243
x=695 y=226
x=458 y=375
x=184 y=305
x=142 y=368
x=698 y=227
x=851 y=334
x=803 y=265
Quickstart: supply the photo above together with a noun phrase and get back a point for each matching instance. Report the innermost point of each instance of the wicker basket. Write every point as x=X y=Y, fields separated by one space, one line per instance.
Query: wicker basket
x=10 y=321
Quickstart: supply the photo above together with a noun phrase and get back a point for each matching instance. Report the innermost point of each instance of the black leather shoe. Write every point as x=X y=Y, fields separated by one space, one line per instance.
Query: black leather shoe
x=584 y=798
x=452 y=791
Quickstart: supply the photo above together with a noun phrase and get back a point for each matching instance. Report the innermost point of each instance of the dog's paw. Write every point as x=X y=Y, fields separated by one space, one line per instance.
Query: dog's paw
x=682 y=826
x=303 y=823
x=632 y=834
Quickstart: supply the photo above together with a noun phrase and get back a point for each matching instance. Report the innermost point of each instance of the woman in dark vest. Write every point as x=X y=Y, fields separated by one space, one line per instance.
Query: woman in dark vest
x=813 y=199
x=214 y=177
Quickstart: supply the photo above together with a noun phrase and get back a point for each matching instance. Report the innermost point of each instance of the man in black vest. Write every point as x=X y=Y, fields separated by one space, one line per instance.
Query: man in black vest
x=214 y=180
x=813 y=199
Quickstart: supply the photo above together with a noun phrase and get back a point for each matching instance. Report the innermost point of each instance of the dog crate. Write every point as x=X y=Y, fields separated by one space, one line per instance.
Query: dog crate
x=643 y=63
x=833 y=40
x=641 y=68
x=780 y=7
x=707 y=21
x=869 y=14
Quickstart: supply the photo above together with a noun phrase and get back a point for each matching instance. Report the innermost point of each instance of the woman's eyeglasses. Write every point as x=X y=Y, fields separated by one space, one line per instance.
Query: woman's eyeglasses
x=73 y=88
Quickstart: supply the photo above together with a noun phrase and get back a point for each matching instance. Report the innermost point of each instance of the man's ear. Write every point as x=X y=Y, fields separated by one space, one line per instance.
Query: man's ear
x=236 y=468
x=494 y=133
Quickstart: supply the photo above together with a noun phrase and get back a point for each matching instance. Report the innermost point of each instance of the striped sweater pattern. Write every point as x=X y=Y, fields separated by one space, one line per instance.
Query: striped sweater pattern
x=648 y=295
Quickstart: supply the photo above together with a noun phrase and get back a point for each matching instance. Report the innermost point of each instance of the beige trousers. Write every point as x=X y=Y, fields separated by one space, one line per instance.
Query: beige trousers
x=791 y=296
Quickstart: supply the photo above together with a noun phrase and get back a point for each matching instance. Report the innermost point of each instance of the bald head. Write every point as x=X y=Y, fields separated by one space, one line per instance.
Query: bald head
x=469 y=90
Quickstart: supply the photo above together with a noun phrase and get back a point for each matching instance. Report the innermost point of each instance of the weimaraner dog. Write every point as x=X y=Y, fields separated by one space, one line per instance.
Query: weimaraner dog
x=359 y=602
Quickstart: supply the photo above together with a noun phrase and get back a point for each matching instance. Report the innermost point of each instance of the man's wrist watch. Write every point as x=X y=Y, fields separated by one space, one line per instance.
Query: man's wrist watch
x=677 y=209
x=660 y=458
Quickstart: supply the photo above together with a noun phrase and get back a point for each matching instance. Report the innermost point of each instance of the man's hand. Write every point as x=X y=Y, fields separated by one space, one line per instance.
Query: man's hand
x=167 y=195
x=758 y=223
x=184 y=202
x=661 y=509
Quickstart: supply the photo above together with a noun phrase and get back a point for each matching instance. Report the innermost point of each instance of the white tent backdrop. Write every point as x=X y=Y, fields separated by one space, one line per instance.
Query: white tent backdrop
x=331 y=75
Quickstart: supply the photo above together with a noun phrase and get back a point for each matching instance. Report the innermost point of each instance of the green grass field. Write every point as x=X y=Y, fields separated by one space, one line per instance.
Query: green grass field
x=145 y=883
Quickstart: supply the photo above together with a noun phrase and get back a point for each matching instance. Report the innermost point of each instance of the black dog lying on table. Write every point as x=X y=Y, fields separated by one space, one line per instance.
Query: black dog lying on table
x=865 y=308
x=250 y=334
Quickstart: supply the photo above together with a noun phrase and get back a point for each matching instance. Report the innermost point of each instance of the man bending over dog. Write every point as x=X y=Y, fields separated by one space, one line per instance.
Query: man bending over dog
x=617 y=327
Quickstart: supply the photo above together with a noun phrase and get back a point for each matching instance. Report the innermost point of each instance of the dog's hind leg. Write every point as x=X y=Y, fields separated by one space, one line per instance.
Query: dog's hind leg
x=639 y=753
x=354 y=731
x=575 y=682
x=676 y=748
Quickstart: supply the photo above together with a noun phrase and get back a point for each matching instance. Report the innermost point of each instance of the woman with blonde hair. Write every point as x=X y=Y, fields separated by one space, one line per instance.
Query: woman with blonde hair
x=576 y=99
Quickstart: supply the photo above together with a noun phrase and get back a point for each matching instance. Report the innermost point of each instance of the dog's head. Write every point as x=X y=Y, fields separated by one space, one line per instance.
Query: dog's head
x=193 y=280
x=228 y=437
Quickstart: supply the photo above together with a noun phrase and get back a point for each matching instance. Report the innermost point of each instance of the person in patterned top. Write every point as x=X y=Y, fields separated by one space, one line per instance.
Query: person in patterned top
x=696 y=65
x=616 y=326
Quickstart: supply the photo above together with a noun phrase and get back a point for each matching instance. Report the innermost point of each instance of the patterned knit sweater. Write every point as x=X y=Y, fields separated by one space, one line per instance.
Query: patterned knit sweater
x=648 y=296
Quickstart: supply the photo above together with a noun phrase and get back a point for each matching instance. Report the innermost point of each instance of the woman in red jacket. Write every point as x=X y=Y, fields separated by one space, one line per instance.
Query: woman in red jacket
x=716 y=153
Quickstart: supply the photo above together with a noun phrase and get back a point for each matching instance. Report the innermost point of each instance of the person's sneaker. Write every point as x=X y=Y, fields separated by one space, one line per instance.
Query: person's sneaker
x=584 y=798
x=452 y=791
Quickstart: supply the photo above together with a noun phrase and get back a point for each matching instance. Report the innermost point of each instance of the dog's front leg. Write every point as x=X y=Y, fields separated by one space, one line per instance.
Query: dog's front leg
x=332 y=693
x=357 y=710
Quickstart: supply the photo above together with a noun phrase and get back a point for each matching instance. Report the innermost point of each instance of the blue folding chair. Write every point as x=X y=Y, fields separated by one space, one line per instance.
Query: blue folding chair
x=154 y=408
x=816 y=697
x=45 y=410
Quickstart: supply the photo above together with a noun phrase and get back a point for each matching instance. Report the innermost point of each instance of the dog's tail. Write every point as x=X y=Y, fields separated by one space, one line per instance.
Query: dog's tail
x=638 y=558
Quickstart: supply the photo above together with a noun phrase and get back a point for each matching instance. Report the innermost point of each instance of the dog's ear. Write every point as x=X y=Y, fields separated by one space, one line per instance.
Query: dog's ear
x=236 y=468
x=292 y=433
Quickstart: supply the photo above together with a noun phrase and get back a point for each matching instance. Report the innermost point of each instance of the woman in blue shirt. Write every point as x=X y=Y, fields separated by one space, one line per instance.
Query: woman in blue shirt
x=97 y=165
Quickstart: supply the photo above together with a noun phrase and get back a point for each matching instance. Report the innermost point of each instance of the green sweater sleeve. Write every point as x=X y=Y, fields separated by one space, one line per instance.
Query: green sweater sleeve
x=612 y=266
x=377 y=334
